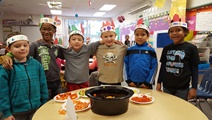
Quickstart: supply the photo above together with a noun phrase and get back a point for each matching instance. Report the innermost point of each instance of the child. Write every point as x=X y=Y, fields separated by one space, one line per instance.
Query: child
x=77 y=60
x=46 y=52
x=110 y=57
x=127 y=41
x=179 y=64
x=140 y=60
x=24 y=88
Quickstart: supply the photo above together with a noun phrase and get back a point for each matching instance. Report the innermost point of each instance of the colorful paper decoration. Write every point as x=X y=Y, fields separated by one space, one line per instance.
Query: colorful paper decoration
x=159 y=3
x=178 y=7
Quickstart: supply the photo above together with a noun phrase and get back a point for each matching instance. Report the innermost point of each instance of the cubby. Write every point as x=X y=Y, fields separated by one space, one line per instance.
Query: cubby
x=204 y=54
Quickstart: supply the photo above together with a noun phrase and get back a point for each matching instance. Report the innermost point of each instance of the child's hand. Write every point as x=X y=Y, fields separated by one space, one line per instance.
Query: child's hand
x=10 y=118
x=118 y=42
x=158 y=87
x=38 y=39
x=192 y=93
x=7 y=62
x=144 y=86
x=149 y=45
x=132 y=84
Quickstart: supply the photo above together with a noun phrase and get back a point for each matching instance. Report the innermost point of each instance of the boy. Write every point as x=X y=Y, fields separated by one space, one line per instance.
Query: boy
x=140 y=60
x=24 y=88
x=77 y=60
x=179 y=64
x=110 y=57
x=46 y=53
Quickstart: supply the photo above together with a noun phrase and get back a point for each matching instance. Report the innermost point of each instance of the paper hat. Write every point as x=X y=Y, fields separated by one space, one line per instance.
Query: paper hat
x=76 y=32
x=141 y=25
x=47 y=20
x=177 y=21
x=16 y=38
x=174 y=24
x=108 y=26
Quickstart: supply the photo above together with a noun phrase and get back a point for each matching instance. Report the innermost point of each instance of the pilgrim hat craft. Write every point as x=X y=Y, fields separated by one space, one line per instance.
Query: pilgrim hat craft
x=108 y=26
x=177 y=21
x=140 y=24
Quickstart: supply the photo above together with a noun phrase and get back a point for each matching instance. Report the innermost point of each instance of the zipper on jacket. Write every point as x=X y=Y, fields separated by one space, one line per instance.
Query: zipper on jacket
x=29 y=84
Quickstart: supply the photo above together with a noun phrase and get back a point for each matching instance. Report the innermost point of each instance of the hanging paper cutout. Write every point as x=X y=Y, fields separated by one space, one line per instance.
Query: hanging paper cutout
x=41 y=16
x=82 y=29
x=89 y=2
x=159 y=3
x=73 y=27
x=178 y=7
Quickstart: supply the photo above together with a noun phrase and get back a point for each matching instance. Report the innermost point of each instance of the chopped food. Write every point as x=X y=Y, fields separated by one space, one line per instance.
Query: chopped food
x=64 y=96
x=80 y=105
x=62 y=112
x=110 y=97
x=144 y=98
x=82 y=92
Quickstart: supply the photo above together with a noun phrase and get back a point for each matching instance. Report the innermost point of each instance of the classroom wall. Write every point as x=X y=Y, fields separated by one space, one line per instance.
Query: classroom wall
x=129 y=18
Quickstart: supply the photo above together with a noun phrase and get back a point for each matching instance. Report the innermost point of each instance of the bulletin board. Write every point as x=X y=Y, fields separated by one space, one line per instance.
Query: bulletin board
x=32 y=32
x=163 y=39
x=204 y=21
x=200 y=18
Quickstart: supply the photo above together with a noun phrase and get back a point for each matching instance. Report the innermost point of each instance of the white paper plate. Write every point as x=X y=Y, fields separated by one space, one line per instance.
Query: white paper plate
x=64 y=105
x=152 y=99
x=135 y=90
x=56 y=100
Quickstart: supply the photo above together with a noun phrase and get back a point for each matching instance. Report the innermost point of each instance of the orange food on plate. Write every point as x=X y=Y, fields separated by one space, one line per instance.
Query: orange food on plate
x=64 y=96
x=62 y=112
x=144 y=98
x=80 y=105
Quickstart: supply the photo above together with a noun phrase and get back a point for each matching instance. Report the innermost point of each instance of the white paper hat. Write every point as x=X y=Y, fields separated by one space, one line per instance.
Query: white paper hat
x=107 y=26
x=140 y=24
x=177 y=23
x=16 y=38
x=47 y=20
x=177 y=20
x=76 y=32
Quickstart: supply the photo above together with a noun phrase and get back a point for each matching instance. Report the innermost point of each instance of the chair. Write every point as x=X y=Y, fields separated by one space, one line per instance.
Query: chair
x=204 y=90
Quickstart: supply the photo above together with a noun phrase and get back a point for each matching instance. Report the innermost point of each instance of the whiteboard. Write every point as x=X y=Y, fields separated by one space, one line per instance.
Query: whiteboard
x=204 y=21
x=32 y=32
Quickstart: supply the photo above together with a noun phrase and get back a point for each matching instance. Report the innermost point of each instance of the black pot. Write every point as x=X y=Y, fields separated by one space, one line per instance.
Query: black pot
x=109 y=100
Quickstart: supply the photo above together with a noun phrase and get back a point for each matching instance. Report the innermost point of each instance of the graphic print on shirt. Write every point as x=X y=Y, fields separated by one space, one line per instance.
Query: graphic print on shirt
x=110 y=57
x=45 y=57
x=174 y=64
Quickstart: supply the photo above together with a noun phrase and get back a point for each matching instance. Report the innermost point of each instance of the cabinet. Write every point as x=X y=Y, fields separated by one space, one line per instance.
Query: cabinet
x=204 y=54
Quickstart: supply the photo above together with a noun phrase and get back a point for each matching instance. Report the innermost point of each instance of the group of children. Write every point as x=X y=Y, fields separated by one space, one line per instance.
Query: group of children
x=27 y=83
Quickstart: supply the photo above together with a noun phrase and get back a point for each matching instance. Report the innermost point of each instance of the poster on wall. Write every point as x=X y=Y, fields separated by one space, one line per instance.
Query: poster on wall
x=127 y=30
x=159 y=24
x=58 y=35
x=203 y=21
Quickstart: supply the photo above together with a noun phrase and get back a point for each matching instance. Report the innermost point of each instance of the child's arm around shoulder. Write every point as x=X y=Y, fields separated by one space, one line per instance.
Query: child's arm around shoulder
x=101 y=42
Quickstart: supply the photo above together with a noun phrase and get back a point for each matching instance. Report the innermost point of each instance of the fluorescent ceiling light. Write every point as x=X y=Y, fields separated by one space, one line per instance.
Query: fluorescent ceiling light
x=107 y=7
x=54 y=4
x=99 y=14
x=56 y=12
